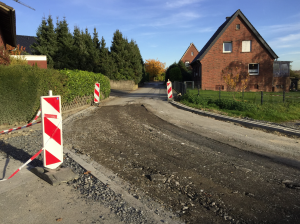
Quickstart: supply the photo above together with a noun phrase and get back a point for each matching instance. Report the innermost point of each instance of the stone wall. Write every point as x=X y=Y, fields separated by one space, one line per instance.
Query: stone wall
x=39 y=60
x=123 y=85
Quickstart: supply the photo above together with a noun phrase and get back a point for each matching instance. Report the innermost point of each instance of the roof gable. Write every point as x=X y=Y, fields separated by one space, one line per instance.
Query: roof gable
x=222 y=29
x=191 y=44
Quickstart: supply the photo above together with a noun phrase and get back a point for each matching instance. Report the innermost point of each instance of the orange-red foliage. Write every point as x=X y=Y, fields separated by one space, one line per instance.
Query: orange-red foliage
x=154 y=67
x=18 y=51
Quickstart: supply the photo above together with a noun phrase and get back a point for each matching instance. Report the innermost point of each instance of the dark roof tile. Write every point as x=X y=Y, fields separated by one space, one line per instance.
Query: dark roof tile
x=26 y=41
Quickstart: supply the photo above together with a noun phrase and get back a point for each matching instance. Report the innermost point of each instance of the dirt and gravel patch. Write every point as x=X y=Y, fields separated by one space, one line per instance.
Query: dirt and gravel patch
x=200 y=179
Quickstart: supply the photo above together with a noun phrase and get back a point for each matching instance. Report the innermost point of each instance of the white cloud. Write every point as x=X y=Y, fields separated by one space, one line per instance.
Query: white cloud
x=178 y=19
x=295 y=16
x=292 y=53
x=180 y=3
x=290 y=37
x=206 y=30
x=281 y=28
x=291 y=40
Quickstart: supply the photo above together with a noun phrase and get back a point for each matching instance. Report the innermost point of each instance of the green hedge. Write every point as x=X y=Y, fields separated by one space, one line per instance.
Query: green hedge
x=82 y=83
x=22 y=86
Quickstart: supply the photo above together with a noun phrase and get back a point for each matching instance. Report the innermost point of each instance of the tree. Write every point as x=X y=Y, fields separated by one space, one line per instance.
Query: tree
x=127 y=59
x=185 y=72
x=119 y=54
x=106 y=64
x=154 y=68
x=175 y=74
x=46 y=41
x=63 y=56
x=91 y=52
x=136 y=62
x=80 y=53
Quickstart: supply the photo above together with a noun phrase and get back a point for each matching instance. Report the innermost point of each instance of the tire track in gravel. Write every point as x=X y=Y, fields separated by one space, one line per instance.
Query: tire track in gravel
x=200 y=179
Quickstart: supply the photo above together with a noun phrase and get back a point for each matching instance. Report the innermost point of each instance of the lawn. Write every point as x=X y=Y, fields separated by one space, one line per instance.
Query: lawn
x=247 y=104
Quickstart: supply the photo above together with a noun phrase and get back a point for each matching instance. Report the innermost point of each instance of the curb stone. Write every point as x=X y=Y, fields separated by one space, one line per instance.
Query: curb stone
x=256 y=124
x=55 y=177
x=115 y=184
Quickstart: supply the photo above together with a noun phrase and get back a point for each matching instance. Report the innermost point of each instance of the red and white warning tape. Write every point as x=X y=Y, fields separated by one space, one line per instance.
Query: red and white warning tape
x=33 y=157
x=25 y=126
x=36 y=117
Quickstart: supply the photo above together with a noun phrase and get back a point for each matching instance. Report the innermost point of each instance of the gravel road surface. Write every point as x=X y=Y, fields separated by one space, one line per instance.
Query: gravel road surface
x=178 y=164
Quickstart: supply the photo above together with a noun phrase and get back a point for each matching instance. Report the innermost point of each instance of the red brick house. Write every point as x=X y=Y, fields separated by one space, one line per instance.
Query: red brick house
x=8 y=35
x=189 y=55
x=7 y=25
x=237 y=45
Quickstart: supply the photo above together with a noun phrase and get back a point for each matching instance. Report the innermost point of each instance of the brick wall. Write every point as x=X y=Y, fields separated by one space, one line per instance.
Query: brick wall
x=215 y=60
x=2 y=43
x=40 y=64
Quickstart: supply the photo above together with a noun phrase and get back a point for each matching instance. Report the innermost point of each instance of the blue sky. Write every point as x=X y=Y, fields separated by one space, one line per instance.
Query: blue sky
x=163 y=29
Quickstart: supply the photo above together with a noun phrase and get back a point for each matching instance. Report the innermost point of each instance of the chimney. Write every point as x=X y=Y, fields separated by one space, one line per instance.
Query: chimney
x=228 y=18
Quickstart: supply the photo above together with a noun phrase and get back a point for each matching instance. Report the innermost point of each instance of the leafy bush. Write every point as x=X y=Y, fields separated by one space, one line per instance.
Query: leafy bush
x=22 y=86
x=82 y=83
x=18 y=60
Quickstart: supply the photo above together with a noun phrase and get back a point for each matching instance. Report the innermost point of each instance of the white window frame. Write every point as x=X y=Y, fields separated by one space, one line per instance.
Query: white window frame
x=253 y=73
x=224 y=47
x=192 y=53
x=187 y=63
x=244 y=41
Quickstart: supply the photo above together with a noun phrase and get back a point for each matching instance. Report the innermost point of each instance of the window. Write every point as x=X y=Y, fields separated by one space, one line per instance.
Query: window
x=253 y=69
x=227 y=47
x=187 y=63
x=192 y=53
x=246 y=46
x=237 y=26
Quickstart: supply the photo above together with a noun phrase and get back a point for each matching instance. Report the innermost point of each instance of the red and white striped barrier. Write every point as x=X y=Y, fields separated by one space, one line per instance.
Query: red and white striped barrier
x=25 y=126
x=169 y=88
x=97 y=93
x=51 y=117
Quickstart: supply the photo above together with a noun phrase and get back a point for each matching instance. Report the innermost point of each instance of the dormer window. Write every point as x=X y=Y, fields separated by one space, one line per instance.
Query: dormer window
x=227 y=47
x=237 y=27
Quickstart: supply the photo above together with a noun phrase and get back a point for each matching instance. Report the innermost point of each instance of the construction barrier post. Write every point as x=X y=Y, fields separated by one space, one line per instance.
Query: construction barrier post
x=97 y=93
x=52 y=130
x=169 y=89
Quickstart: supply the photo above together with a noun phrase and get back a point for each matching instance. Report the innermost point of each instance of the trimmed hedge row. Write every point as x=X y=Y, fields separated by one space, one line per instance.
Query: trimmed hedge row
x=82 y=83
x=22 y=86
